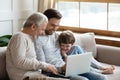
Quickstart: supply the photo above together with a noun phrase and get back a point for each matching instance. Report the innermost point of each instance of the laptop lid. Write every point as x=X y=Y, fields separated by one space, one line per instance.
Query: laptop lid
x=78 y=64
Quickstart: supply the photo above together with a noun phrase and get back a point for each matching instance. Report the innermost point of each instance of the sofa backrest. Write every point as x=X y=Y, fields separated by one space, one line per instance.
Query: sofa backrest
x=3 y=73
x=87 y=42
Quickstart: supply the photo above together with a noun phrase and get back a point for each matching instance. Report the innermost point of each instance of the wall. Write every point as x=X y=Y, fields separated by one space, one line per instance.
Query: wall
x=13 y=13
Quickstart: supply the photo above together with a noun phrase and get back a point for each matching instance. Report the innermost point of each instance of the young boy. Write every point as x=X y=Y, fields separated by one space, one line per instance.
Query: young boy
x=66 y=40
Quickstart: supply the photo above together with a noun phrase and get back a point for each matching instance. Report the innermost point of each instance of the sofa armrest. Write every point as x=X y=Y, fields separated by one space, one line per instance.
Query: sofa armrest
x=108 y=54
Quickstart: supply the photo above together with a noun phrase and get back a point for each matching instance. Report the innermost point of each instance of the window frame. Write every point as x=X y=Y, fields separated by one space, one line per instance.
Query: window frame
x=105 y=33
x=110 y=38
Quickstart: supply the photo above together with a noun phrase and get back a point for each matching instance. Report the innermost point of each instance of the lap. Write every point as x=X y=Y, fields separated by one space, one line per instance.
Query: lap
x=77 y=77
x=94 y=76
x=85 y=76
x=39 y=76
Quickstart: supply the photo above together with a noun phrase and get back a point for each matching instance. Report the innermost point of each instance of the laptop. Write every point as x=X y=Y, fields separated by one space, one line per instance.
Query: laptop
x=78 y=64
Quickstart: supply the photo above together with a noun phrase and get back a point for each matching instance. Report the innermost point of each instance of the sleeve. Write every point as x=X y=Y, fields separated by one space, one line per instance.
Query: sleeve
x=80 y=49
x=95 y=64
x=18 y=55
x=39 y=51
x=95 y=70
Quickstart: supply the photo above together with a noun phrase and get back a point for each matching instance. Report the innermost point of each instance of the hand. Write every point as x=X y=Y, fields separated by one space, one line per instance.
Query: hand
x=51 y=68
x=111 y=67
x=108 y=70
x=64 y=53
x=64 y=68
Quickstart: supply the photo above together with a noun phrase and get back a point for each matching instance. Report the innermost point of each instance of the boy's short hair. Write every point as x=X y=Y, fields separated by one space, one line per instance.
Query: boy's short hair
x=66 y=37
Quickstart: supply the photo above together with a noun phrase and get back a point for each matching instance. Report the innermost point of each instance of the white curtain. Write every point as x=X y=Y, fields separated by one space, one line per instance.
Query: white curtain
x=45 y=4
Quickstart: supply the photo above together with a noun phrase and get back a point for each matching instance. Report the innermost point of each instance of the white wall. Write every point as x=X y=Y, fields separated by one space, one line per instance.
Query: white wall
x=13 y=13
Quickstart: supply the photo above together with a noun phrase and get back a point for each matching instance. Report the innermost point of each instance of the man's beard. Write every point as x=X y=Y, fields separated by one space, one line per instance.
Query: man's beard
x=47 y=32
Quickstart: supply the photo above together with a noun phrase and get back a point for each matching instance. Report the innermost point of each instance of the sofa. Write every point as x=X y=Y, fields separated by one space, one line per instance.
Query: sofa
x=106 y=55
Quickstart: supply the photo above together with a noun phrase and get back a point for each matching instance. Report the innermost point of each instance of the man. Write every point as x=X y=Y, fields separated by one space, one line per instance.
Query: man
x=49 y=51
x=21 y=56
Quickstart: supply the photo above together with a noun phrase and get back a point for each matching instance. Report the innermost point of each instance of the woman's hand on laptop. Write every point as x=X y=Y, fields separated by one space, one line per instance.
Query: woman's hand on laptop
x=51 y=68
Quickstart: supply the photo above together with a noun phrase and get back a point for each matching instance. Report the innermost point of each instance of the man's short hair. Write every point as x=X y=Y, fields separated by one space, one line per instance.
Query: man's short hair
x=52 y=13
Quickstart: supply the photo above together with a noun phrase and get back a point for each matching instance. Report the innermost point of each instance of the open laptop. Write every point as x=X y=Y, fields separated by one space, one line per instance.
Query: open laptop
x=78 y=64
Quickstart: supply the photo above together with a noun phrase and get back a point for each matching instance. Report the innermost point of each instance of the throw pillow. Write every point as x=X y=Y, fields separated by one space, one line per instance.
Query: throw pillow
x=87 y=42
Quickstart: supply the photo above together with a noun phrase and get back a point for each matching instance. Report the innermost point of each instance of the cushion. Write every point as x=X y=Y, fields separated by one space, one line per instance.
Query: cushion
x=87 y=42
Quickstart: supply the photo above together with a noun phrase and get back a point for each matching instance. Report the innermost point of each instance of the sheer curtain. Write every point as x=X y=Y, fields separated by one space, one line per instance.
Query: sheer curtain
x=45 y=4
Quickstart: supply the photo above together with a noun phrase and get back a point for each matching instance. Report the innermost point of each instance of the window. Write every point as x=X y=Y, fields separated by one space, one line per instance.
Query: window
x=114 y=17
x=92 y=15
x=70 y=12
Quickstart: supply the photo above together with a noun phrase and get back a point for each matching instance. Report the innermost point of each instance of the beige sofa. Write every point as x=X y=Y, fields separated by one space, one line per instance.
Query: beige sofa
x=105 y=54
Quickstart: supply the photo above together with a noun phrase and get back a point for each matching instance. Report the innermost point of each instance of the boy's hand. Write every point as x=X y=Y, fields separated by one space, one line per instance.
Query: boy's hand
x=64 y=54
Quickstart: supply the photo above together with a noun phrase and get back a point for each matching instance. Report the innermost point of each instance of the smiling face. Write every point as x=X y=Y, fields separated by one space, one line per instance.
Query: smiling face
x=52 y=26
x=66 y=40
x=65 y=48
